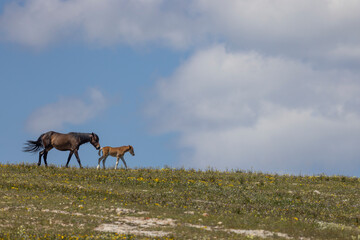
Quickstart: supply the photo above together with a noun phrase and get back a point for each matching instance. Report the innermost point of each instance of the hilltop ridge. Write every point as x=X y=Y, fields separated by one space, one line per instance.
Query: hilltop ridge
x=71 y=203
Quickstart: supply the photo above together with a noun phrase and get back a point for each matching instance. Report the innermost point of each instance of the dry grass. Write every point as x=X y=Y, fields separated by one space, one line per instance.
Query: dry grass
x=59 y=203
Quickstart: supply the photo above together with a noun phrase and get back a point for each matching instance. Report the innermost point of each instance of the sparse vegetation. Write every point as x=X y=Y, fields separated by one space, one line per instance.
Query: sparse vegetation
x=71 y=203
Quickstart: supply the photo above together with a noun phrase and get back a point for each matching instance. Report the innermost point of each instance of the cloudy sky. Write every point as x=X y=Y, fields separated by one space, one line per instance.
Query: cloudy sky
x=271 y=86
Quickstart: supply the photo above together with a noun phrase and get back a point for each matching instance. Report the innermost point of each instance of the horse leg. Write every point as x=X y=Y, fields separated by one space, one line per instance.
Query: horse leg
x=46 y=142
x=77 y=157
x=122 y=158
x=70 y=155
x=40 y=155
x=45 y=156
x=117 y=161
x=100 y=159
x=104 y=161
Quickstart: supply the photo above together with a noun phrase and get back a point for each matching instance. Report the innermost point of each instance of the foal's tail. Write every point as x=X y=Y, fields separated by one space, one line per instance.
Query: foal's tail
x=34 y=146
x=100 y=151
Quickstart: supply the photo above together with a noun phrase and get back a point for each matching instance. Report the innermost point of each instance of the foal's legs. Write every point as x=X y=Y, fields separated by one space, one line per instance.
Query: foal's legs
x=122 y=158
x=104 y=161
x=103 y=158
x=100 y=158
x=117 y=161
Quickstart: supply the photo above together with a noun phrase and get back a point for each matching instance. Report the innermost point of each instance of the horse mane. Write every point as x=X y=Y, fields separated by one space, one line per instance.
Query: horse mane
x=84 y=137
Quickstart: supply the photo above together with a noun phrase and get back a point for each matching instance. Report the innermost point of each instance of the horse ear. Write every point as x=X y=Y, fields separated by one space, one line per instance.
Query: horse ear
x=93 y=134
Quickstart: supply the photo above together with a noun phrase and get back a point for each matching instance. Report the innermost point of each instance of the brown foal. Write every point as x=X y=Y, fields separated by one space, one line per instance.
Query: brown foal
x=117 y=152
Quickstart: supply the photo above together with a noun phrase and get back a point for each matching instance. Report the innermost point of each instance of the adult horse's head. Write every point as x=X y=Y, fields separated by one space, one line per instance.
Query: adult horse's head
x=94 y=140
x=131 y=150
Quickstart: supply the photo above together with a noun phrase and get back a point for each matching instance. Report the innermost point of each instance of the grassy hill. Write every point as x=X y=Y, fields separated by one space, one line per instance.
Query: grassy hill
x=59 y=203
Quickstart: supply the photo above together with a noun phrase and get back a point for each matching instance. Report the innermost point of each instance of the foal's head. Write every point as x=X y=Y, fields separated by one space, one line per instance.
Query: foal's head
x=131 y=150
x=94 y=140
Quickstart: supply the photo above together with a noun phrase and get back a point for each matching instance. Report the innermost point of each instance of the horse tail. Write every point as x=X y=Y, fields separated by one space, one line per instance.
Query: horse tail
x=34 y=146
x=100 y=151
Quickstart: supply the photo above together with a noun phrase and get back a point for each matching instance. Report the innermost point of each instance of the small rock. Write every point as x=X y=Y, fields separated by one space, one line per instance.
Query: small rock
x=205 y=214
x=120 y=211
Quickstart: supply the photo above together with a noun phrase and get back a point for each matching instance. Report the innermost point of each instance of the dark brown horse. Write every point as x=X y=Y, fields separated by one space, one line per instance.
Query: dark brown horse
x=63 y=142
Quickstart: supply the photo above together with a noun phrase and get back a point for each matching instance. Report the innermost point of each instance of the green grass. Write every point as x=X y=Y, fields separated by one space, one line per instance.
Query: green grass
x=71 y=203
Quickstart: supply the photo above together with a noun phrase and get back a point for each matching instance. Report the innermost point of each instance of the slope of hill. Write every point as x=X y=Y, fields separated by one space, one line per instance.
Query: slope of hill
x=59 y=203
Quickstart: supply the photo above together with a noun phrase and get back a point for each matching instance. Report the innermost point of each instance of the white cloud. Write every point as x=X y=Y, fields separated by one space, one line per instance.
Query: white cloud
x=243 y=110
x=67 y=110
x=305 y=29
x=300 y=29
x=41 y=22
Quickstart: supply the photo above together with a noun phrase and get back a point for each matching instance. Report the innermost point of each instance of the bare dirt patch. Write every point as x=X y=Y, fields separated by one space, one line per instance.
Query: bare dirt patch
x=251 y=233
x=137 y=226
x=259 y=233
x=122 y=211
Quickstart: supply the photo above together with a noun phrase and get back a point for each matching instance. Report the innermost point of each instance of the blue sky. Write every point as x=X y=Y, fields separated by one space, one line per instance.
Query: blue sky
x=194 y=84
